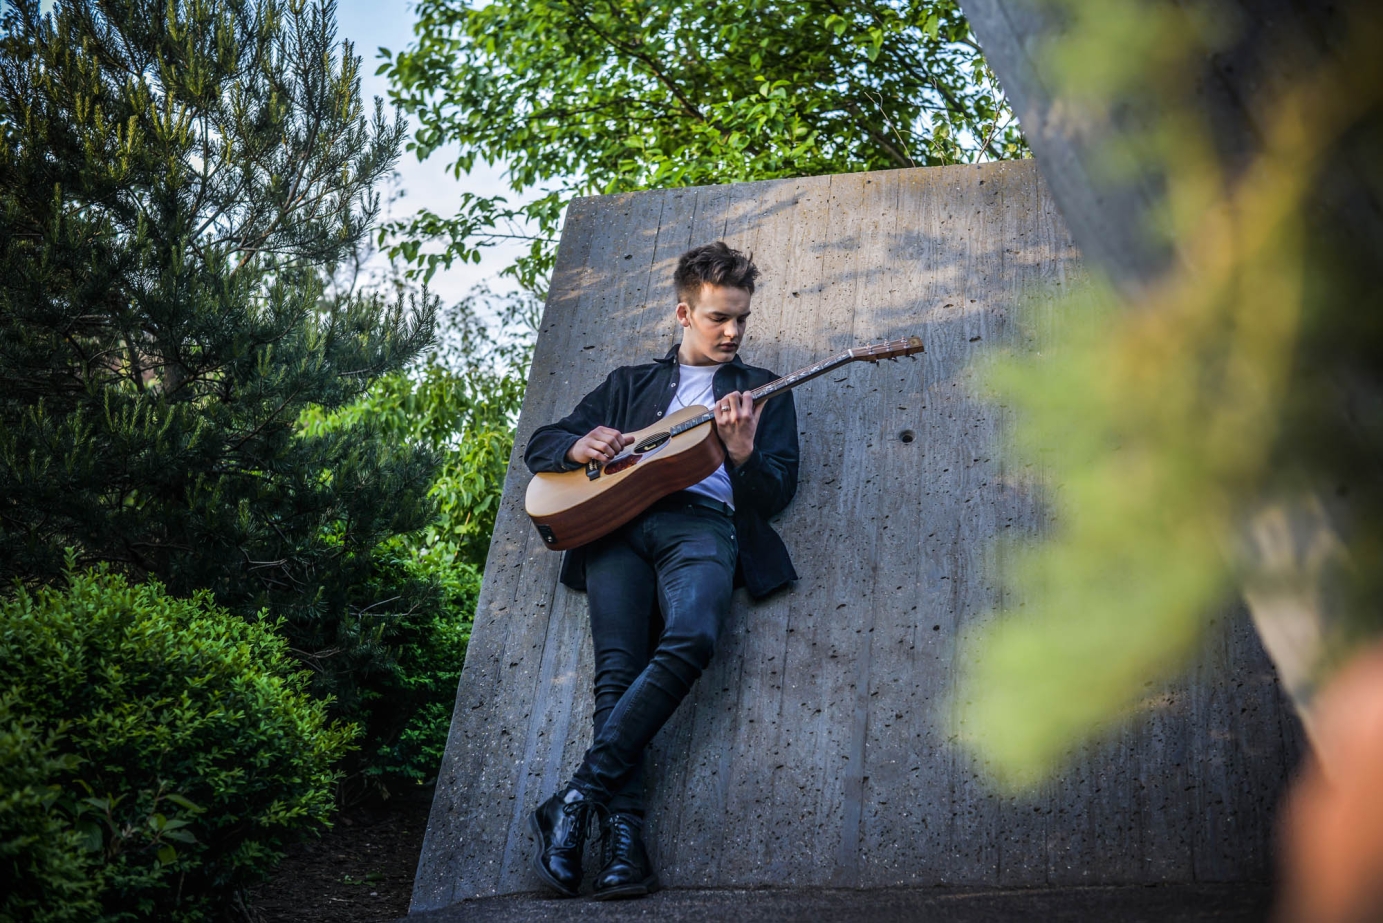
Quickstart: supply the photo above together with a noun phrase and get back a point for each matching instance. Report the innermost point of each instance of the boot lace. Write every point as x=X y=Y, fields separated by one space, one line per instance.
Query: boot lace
x=618 y=841
x=585 y=813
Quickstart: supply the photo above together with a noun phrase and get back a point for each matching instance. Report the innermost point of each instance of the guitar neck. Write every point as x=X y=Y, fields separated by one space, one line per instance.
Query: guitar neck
x=781 y=385
x=801 y=376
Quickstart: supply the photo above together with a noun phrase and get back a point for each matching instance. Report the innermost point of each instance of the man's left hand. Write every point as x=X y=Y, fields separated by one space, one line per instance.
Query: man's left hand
x=736 y=420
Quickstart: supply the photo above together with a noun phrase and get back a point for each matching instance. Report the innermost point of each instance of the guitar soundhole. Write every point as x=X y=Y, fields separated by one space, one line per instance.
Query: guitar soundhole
x=651 y=443
x=619 y=464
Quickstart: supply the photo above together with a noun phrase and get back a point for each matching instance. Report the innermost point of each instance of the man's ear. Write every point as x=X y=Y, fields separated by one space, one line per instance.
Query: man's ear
x=684 y=314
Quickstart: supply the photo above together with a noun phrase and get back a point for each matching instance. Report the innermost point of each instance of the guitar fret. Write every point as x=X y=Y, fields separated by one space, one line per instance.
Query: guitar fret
x=798 y=377
x=690 y=424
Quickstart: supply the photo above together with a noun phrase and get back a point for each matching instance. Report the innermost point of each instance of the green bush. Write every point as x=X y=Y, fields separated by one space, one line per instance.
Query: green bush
x=44 y=873
x=461 y=407
x=410 y=706
x=189 y=755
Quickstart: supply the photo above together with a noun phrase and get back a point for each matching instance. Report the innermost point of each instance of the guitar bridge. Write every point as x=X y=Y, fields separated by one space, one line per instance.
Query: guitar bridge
x=592 y=470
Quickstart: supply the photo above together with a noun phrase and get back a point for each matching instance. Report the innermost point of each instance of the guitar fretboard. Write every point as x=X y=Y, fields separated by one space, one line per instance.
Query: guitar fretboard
x=774 y=388
x=890 y=350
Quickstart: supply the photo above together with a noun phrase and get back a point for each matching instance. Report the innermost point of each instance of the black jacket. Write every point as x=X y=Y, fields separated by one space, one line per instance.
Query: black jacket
x=635 y=396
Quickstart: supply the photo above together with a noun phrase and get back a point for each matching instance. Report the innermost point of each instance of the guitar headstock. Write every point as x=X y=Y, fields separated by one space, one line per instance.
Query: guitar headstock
x=906 y=346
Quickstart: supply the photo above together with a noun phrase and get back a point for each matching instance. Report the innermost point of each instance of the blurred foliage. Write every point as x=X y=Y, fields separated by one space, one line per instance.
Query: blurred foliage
x=163 y=752
x=1242 y=383
x=460 y=405
x=584 y=97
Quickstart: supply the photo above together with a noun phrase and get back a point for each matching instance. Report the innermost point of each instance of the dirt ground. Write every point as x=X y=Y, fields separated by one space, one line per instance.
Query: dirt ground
x=360 y=871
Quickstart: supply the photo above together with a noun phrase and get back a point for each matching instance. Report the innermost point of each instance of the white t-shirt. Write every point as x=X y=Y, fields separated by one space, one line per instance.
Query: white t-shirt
x=694 y=387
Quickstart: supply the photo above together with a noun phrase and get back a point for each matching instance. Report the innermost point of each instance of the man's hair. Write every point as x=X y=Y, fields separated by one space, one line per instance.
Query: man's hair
x=716 y=264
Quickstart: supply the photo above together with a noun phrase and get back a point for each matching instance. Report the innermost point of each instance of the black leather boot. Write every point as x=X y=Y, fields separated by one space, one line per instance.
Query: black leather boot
x=560 y=825
x=626 y=872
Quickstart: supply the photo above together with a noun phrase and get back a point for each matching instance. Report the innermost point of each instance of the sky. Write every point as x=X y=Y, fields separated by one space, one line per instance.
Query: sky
x=371 y=24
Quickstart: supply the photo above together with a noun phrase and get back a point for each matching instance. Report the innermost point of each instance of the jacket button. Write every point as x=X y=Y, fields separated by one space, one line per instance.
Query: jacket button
x=660 y=413
x=673 y=385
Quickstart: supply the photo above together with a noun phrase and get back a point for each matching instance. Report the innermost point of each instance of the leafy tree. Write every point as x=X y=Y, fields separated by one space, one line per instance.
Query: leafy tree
x=583 y=96
x=461 y=404
x=177 y=182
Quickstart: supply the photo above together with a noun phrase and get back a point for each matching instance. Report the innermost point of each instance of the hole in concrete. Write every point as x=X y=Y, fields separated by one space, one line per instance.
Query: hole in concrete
x=907 y=435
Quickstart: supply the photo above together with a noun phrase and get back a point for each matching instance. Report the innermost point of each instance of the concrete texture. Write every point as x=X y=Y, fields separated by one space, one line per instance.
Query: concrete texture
x=817 y=752
x=1204 y=903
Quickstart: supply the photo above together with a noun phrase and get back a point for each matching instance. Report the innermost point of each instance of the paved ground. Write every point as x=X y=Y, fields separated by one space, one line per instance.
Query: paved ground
x=1220 y=903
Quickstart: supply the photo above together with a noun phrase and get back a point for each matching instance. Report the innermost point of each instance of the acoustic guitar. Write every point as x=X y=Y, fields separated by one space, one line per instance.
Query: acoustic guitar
x=571 y=508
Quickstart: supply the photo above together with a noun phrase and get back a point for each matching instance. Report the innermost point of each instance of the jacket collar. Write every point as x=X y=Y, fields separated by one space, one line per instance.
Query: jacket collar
x=672 y=357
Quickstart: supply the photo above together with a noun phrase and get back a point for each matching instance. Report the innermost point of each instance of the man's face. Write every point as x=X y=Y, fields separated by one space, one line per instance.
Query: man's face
x=714 y=328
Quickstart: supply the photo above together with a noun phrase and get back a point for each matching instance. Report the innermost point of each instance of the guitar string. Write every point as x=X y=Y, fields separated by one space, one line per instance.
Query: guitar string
x=790 y=381
x=766 y=391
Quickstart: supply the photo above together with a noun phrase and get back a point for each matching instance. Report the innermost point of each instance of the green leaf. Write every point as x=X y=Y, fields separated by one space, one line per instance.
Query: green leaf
x=90 y=834
x=184 y=803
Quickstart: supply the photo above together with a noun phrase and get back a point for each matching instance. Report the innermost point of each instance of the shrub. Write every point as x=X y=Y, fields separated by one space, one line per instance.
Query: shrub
x=190 y=751
x=465 y=416
x=410 y=706
x=44 y=874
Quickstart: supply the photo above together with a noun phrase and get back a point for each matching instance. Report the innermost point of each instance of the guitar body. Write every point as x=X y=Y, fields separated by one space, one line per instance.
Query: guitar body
x=570 y=509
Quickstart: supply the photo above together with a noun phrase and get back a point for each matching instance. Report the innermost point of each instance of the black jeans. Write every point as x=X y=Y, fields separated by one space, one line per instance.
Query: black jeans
x=682 y=556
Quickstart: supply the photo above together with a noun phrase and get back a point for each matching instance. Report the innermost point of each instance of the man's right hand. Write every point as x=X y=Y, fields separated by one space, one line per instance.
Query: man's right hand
x=600 y=444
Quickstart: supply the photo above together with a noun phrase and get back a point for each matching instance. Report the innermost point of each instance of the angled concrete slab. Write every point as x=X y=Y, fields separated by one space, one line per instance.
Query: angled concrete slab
x=813 y=753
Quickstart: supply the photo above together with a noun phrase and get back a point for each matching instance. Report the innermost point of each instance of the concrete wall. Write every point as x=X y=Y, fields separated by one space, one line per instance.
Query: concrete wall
x=814 y=751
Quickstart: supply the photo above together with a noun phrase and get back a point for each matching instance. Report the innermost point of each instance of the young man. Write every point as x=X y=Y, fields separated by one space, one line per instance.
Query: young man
x=675 y=564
